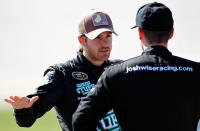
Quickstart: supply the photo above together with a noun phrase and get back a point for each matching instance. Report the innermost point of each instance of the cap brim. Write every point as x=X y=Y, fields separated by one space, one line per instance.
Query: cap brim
x=134 y=27
x=93 y=34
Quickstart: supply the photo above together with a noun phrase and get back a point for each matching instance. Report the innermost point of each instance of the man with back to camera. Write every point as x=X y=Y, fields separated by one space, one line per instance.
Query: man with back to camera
x=65 y=84
x=155 y=91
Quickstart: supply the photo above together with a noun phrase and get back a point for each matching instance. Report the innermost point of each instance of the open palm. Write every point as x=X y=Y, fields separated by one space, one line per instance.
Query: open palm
x=21 y=102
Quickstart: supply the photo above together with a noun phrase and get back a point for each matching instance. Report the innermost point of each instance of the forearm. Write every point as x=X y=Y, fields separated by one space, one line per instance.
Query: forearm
x=24 y=117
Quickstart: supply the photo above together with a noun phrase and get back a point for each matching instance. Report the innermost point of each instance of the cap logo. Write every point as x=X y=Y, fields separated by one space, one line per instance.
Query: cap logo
x=99 y=19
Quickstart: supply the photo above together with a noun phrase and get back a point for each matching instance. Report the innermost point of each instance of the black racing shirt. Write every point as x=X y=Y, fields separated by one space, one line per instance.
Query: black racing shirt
x=63 y=86
x=155 y=91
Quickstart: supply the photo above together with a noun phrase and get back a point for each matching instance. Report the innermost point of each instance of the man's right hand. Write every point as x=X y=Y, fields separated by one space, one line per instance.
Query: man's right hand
x=21 y=102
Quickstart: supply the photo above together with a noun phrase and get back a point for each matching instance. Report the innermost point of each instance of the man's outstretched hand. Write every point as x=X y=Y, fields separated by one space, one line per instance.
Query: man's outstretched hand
x=21 y=102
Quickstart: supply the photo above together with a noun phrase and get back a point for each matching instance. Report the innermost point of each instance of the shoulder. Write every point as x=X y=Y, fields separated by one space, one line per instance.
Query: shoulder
x=115 y=61
x=121 y=65
x=62 y=67
x=115 y=69
x=183 y=61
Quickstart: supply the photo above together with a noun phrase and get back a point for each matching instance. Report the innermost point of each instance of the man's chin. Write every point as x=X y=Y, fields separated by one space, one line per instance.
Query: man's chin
x=105 y=57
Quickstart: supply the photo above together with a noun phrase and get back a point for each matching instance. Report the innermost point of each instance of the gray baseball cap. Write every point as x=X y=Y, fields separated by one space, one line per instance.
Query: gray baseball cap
x=94 y=23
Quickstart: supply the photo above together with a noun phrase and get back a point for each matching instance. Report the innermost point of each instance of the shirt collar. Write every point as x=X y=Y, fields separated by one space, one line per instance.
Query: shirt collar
x=157 y=50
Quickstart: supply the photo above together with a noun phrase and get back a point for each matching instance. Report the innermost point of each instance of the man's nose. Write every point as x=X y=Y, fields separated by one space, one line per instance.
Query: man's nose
x=104 y=42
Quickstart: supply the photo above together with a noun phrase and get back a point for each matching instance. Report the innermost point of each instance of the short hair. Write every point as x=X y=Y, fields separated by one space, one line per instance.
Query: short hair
x=157 y=36
x=81 y=47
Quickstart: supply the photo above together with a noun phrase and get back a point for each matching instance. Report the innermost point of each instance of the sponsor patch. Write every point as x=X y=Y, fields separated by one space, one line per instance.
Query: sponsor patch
x=80 y=75
x=84 y=88
x=99 y=19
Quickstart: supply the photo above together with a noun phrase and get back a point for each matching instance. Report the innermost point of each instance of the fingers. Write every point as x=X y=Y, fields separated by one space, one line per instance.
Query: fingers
x=8 y=101
x=12 y=99
x=15 y=98
x=21 y=102
x=34 y=99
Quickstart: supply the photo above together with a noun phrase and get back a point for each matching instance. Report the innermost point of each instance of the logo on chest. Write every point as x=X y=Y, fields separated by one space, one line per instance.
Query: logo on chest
x=79 y=75
x=84 y=88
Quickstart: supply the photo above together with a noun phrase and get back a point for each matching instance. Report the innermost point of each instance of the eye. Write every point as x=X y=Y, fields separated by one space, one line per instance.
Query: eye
x=109 y=35
x=98 y=37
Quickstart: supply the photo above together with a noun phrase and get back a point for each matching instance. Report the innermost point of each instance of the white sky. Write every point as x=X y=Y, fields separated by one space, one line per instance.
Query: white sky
x=35 y=34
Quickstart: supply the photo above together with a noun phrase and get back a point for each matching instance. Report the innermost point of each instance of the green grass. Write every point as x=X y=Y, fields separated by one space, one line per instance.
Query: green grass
x=48 y=122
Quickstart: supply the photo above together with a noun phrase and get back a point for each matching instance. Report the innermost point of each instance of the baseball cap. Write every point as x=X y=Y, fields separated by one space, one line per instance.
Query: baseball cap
x=154 y=17
x=94 y=23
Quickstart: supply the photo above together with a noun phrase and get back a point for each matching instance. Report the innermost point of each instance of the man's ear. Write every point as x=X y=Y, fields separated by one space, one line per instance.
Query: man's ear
x=172 y=33
x=80 y=39
x=140 y=33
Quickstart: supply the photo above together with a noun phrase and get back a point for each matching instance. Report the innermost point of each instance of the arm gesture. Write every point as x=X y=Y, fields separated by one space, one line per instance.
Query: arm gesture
x=21 y=102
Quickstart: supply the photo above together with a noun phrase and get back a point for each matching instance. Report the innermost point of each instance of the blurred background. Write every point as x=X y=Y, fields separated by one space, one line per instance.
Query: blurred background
x=35 y=34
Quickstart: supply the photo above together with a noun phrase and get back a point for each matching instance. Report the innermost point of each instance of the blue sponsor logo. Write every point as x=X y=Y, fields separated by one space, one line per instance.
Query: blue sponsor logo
x=84 y=88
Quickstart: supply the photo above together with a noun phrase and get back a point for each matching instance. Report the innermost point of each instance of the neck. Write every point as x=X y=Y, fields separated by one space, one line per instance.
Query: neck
x=145 y=45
